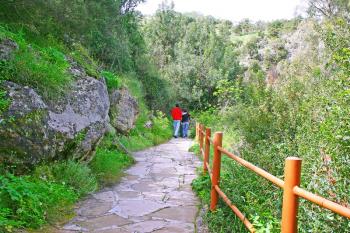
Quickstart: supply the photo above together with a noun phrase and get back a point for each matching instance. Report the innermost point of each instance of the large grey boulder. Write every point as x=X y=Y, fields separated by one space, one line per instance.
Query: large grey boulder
x=123 y=110
x=33 y=130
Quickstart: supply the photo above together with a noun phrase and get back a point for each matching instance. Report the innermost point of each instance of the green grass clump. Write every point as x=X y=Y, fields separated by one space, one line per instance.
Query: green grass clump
x=111 y=80
x=76 y=175
x=29 y=202
x=42 y=68
x=81 y=55
x=109 y=161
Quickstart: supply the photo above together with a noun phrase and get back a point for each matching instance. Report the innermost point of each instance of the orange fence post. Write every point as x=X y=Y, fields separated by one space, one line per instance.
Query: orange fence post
x=201 y=127
x=216 y=170
x=206 y=150
x=292 y=173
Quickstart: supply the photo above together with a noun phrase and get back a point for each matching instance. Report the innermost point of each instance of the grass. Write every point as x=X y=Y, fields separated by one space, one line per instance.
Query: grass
x=76 y=175
x=111 y=80
x=243 y=188
x=42 y=68
x=109 y=161
x=81 y=55
x=50 y=191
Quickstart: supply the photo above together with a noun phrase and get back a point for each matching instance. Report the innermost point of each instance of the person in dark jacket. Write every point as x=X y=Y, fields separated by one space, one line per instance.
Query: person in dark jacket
x=186 y=117
x=176 y=114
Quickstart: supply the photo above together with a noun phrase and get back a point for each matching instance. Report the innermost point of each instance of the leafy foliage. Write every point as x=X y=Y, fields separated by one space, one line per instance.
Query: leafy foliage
x=107 y=28
x=246 y=79
x=192 y=53
x=301 y=110
x=28 y=202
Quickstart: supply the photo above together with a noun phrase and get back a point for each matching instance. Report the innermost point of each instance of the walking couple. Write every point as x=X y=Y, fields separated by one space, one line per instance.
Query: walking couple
x=180 y=117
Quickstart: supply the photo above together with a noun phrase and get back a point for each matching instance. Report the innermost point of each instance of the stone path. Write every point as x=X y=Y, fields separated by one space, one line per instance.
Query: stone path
x=154 y=196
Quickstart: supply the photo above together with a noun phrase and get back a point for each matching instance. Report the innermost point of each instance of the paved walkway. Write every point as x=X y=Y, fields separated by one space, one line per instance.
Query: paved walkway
x=154 y=196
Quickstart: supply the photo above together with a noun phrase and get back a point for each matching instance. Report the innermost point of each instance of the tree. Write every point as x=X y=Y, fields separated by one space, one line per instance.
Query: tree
x=328 y=8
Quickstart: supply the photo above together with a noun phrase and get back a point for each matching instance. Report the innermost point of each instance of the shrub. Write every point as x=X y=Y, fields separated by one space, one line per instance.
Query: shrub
x=161 y=129
x=29 y=202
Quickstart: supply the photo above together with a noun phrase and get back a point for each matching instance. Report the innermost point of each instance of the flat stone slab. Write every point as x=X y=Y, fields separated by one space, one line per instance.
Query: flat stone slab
x=104 y=222
x=136 y=208
x=155 y=196
x=186 y=214
x=147 y=226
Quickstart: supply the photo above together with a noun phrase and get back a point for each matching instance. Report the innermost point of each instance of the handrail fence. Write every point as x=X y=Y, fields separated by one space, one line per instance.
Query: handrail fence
x=290 y=184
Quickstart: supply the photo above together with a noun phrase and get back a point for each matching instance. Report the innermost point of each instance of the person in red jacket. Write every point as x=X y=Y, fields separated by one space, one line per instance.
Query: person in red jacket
x=176 y=114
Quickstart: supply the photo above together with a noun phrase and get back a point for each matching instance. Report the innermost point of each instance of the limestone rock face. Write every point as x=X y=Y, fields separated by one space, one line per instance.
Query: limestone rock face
x=33 y=129
x=123 y=110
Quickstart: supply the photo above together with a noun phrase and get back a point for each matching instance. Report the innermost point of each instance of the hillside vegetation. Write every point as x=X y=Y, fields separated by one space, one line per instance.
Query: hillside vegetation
x=276 y=89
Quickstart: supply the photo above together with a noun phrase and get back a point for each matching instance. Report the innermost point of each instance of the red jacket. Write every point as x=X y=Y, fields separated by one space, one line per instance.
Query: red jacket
x=176 y=113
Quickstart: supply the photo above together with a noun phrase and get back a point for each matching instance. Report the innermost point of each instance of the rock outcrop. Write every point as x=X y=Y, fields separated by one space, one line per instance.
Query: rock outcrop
x=34 y=130
x=123 y=110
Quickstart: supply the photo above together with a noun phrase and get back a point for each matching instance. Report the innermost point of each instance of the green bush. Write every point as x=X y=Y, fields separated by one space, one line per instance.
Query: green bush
x=161 y=129
x=243 y=189
x=29 y=202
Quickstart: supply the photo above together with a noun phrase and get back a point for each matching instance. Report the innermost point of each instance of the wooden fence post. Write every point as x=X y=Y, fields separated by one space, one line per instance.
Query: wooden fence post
x=201 y=127
x=292 y=173
x=206 y=150
x=216 y=170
